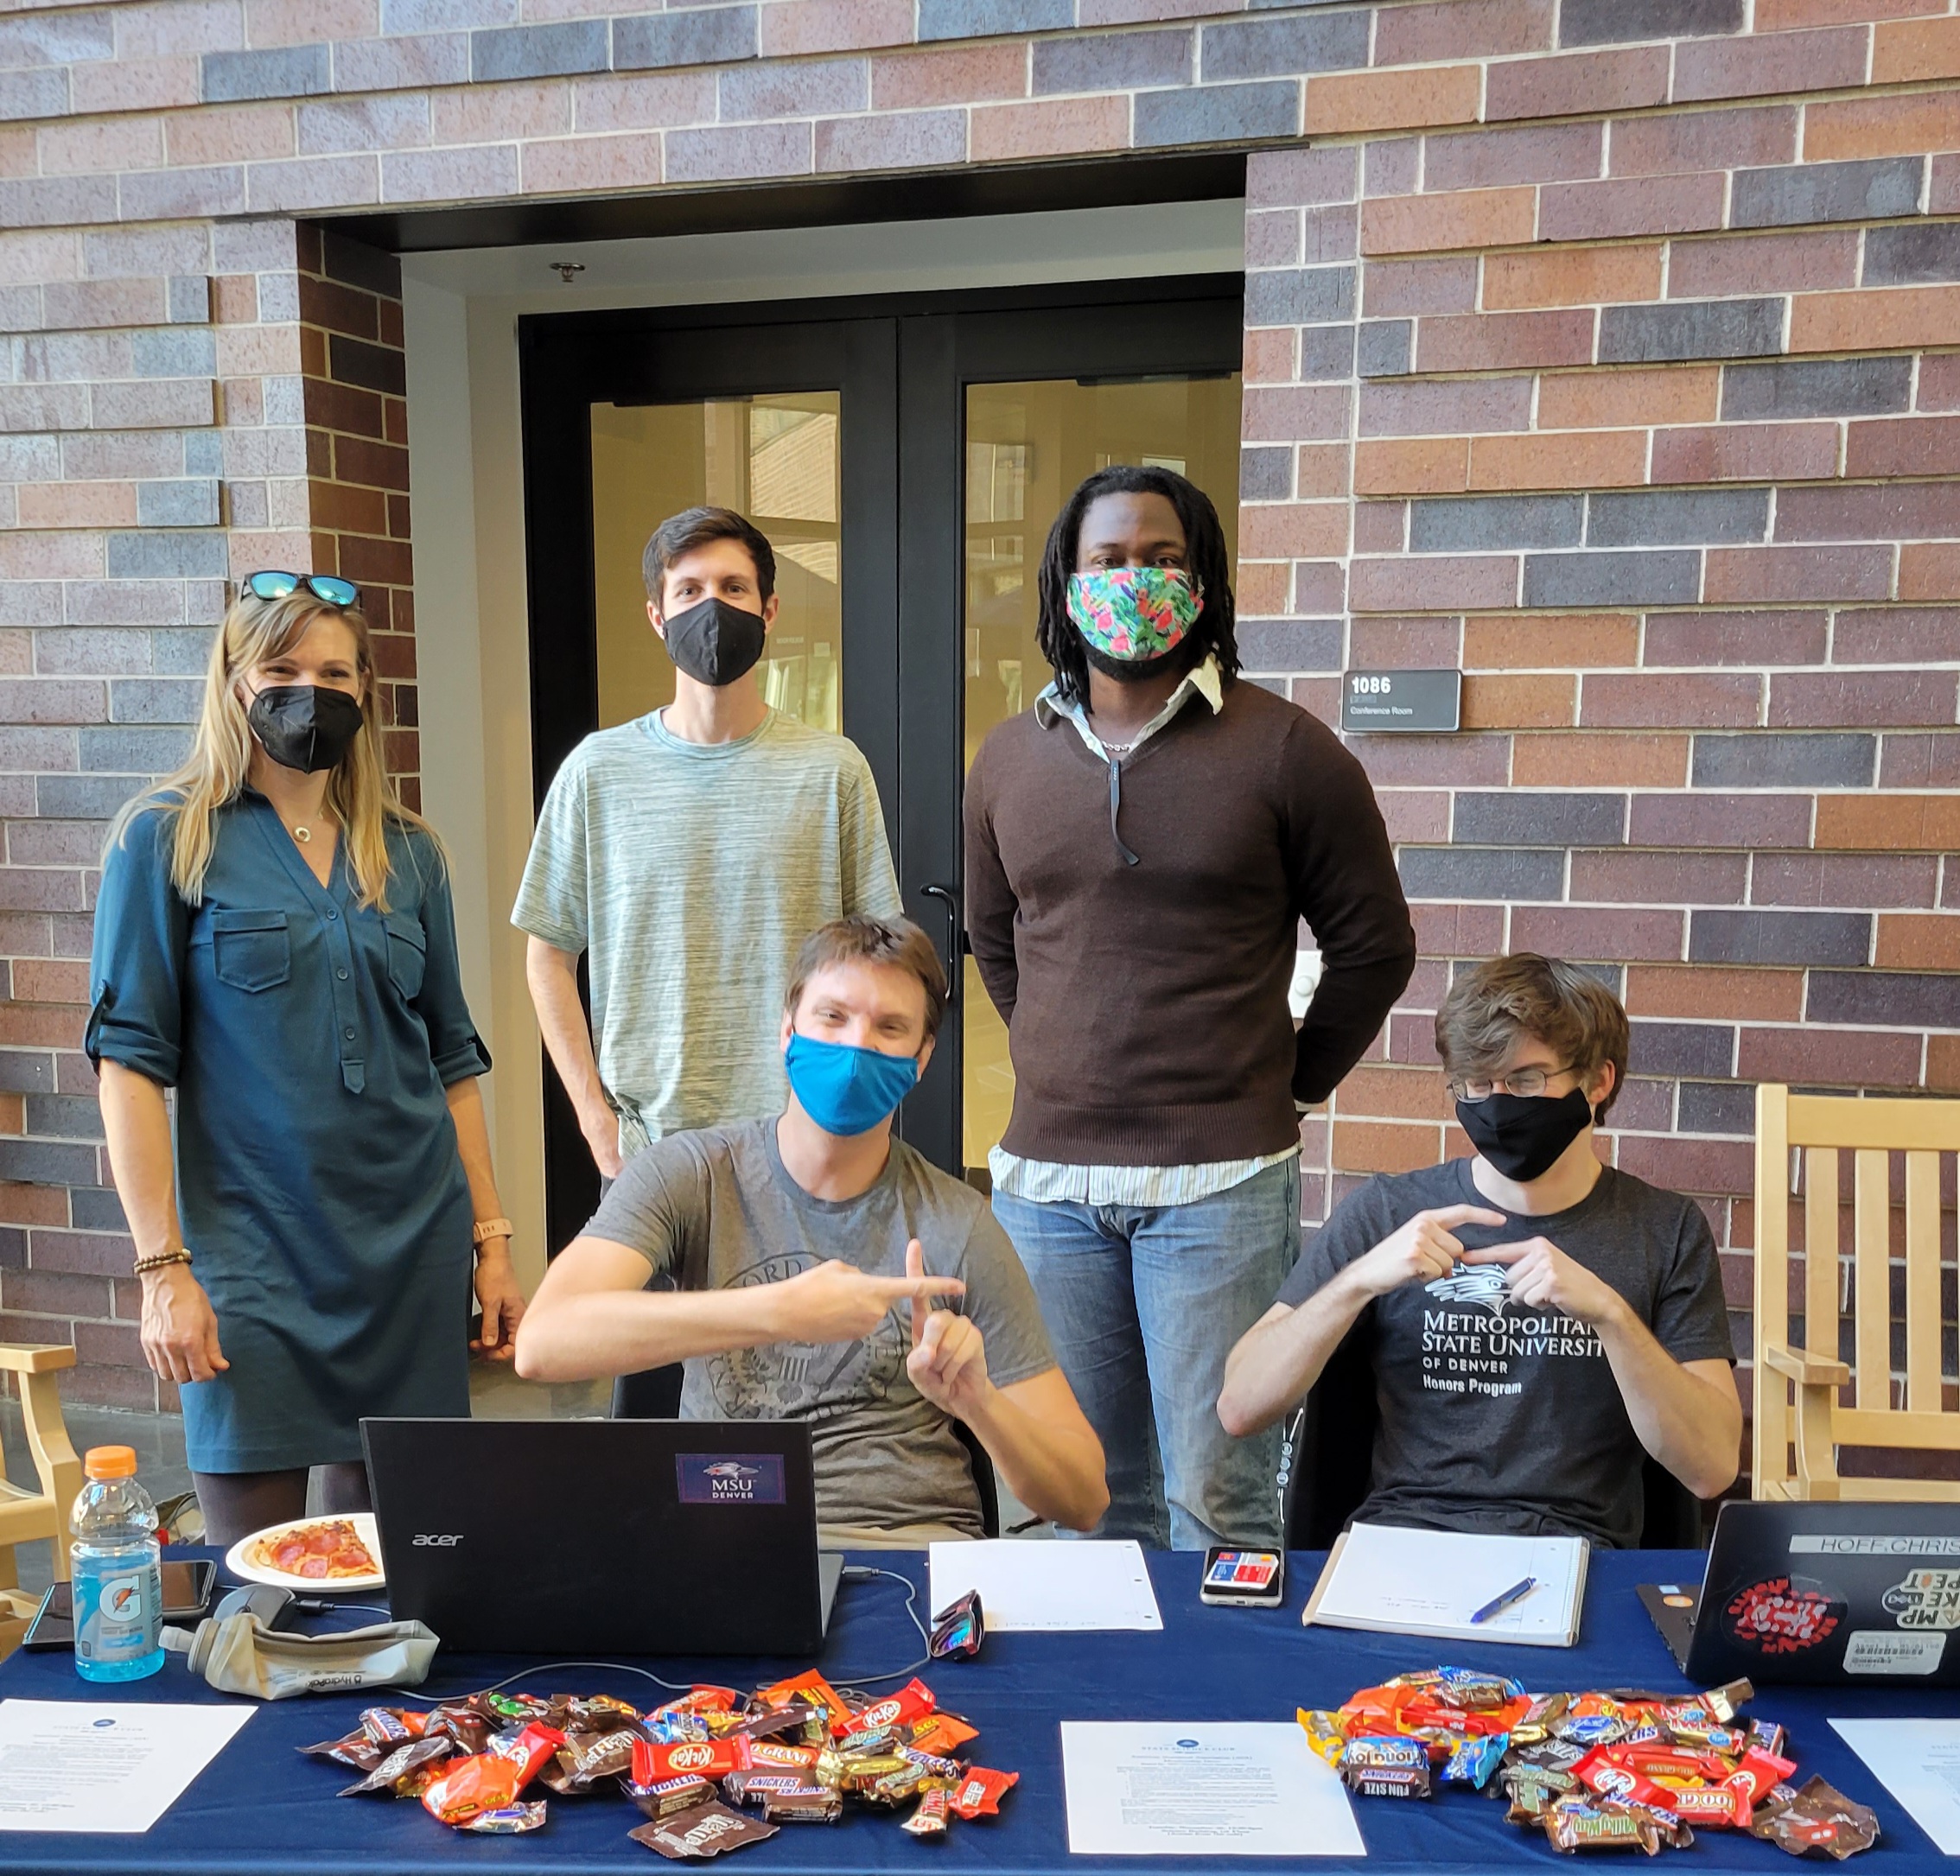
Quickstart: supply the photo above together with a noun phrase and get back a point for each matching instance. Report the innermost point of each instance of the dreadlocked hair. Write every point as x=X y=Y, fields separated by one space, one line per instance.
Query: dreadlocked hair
x=1204 y=556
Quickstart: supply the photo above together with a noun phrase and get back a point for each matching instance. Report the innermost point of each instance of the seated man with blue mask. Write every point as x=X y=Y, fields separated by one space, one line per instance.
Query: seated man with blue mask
x=826 y=1272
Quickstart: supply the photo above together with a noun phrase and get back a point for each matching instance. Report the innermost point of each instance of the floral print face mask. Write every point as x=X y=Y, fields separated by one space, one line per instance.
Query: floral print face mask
x=1135 y=612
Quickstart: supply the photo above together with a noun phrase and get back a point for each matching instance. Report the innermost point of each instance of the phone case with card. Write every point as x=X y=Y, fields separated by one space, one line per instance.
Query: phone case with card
x=1246 y=1579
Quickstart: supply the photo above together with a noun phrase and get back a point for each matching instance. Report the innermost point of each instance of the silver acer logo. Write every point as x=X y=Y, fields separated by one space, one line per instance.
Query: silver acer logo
x=436 y=1540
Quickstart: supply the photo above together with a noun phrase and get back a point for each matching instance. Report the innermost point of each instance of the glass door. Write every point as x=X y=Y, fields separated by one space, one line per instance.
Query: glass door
x=906 y=457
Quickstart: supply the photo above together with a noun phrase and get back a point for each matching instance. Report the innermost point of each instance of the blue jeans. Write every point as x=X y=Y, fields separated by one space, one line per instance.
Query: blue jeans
x=1143 y=1304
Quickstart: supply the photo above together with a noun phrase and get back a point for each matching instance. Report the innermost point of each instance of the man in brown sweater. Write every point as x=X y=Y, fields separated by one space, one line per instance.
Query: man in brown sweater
x=1141 y=847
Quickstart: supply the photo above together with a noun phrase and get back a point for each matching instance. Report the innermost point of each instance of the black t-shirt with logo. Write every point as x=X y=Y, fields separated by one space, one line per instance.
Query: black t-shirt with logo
x=1497 y=1417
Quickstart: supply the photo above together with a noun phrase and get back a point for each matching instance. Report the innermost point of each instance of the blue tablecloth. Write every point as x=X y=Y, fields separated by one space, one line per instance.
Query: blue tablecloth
x=262 y=1808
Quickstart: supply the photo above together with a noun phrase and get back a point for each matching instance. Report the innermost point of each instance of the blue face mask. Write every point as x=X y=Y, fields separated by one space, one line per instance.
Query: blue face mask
x=847 y=1090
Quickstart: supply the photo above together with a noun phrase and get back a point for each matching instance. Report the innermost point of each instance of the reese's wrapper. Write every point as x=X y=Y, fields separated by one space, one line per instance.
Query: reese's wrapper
x=811 y=1688
x=468 y=1787
x=1820 y=1820
x=978 y=1793
x=531 y=1748
x=708 y=1830
x=399 y=1765
x=943 y=1732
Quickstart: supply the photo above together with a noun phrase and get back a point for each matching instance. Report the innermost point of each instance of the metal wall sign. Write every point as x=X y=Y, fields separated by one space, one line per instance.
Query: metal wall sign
x=1429 y=701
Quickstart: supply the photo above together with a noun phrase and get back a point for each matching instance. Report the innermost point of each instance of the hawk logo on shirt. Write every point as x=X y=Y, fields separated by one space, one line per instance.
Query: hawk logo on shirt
x=803 y=1380
x=1481 y=1286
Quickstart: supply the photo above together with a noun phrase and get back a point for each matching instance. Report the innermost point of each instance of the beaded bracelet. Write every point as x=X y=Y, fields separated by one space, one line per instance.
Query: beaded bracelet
x=163 y=1257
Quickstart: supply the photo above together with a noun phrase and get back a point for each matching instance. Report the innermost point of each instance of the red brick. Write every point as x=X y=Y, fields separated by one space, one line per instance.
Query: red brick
x=1293 y=529
x=1746 y=453
x=1819 y=1057
x=1585 y=931
x=1904 y=446
x=1322 y=469
x=1896 y=126
x=1496 y=341
x=1808 y=262
x=1888 y=823
x=1638 y=878
x=1460 y=219
x=1919 y=941
x=1766 y=64
x=1434 y=582
x=1897 y=635
x=1461 y=29
x=1929 y=572
x=1914 y=51
x=804 y=26
x=1920 y=762
x=1637 y=396
x=1580 y=760
x=1572 y=277
x=1751 y=638
x=1391 y=644
x=1319 y=589
x=1875 y=321
x=1797 y=573
x=1574 y=459
x=1678 y=700
x=1717 y=820
x=1271 y=355
x=1395 y=1094
x=1289 y=178
x=1639 y=205
x=1546 y=641
x=1065 y=127
x=1458 y=931
x=1412 y=816
x=1853 y=881
x=1488 y=158
x=1869 y=512
x=1376 y=1147
x=1536 y=701
x=1714 y=990
x=1692 y=1166
x=1684 y=141
x=1781 y=15
x=1389 y=288
x=1577 y=84
x=1423 y=465
x=1380 y=527
x=1340 y=103
x=1296 y=414
x=1943 y=1062
x=958 y=75
x=1868 y=698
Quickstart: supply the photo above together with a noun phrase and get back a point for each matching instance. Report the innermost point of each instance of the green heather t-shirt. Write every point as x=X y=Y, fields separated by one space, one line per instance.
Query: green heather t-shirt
x=691 y=873
x=718 y=1209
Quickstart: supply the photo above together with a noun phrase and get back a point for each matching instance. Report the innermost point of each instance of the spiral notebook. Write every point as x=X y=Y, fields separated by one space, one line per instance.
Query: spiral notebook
x=1426 y=1582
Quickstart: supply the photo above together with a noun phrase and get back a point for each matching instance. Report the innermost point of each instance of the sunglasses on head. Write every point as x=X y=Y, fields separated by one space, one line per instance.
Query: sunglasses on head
x=322 y=586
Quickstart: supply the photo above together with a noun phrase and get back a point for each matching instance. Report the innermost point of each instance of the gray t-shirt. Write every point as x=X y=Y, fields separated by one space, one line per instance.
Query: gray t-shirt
x=692 y=873
x=717 y=1209
x=1498 y=1417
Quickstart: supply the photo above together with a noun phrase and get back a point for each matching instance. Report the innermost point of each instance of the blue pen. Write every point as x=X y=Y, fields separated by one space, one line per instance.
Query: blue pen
x=1517 y=1593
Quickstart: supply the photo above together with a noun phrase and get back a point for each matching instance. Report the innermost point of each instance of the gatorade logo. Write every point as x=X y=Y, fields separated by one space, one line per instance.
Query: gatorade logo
x=686 y=1758
x=121 y=1599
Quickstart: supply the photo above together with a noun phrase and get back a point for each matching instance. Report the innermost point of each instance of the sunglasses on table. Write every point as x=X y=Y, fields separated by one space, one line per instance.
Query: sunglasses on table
x=322 y=586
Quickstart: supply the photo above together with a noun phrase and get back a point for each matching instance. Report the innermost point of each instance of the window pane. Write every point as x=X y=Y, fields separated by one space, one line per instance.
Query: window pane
x=1027 y=446
x=774 y=459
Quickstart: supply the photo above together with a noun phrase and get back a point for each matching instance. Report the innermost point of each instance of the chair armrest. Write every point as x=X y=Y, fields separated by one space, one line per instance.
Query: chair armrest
x=36 y=1358
x=1811 y=1370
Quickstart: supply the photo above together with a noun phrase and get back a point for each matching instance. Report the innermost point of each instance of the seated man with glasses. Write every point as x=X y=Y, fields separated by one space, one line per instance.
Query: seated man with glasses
x=1537 y=1319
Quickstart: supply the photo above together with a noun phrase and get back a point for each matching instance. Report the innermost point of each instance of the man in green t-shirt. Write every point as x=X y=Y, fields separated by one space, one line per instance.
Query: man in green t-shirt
x=686 y=854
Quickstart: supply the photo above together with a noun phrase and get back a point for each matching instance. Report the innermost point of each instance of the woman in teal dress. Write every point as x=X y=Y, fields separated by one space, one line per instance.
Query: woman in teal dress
x=275 y=940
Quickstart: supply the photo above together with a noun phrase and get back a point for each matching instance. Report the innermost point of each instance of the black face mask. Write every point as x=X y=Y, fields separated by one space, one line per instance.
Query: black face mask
x=1522 y=1134
x=304 y=727
x=715 y=643
x=1129 y=671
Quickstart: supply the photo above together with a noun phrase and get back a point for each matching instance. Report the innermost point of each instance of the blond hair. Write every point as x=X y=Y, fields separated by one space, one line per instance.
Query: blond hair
x=359 y=794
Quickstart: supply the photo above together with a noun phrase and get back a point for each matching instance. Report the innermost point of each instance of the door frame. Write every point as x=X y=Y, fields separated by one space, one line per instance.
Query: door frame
x=903 y=363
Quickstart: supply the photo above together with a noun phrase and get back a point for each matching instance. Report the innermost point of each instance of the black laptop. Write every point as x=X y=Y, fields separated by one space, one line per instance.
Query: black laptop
x=1846 y=1594
x=606 y=1537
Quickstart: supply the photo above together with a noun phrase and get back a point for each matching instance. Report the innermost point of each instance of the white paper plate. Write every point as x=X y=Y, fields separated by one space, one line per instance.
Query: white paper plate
x=363 y=1522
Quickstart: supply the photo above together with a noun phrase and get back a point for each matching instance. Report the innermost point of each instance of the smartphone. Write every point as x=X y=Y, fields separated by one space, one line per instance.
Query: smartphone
x=1248 y=1579
x=186 y=1595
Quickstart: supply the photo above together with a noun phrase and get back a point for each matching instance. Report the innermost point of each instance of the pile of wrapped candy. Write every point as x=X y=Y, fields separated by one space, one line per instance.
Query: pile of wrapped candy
x=1592 y=1770
x=714 y=1771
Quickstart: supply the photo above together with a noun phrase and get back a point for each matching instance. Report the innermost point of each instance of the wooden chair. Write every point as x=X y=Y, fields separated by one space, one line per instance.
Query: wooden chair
x=1819 y=1422
x=24 y=1515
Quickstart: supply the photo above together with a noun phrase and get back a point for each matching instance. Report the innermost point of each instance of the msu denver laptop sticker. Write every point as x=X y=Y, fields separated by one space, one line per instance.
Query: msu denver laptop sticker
x=729 y=1478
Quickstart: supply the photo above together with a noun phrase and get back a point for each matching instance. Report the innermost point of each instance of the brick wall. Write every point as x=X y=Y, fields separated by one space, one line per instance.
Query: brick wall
x=1594 y=345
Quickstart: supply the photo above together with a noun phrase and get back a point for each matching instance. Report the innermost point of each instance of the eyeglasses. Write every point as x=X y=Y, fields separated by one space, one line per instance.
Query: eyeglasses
x=322 y=586
x=1525 y=1082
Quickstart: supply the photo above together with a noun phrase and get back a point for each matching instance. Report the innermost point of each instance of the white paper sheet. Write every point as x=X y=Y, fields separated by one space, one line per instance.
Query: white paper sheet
x=1423 y=1583
x=1226 y=1790
x=103 y=1764
x=1919 y=1762
x=1050 y=1587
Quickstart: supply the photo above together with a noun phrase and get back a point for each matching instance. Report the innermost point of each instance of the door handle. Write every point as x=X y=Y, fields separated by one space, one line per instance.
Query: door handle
x=956 y=926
